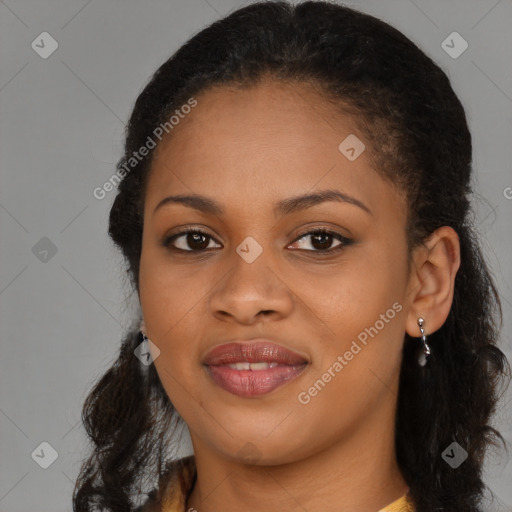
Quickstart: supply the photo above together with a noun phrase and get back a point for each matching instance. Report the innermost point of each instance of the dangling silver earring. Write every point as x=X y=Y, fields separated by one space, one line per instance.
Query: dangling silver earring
x=142 y=331
x=422 y=360
x=147 y=354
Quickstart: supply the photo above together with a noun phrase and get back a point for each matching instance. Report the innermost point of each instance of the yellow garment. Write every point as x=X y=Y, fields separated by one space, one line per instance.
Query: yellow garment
x=172 y=496
x=403 y=504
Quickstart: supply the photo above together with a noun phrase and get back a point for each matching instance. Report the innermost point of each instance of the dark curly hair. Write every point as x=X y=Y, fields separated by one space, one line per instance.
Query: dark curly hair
x=404 y=104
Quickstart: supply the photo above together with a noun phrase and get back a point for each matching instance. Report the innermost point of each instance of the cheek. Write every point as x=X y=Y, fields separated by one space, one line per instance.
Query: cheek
x=172 y=298
x=359 y=293
x=363 y=308
x=356 y=369
x=168 y=294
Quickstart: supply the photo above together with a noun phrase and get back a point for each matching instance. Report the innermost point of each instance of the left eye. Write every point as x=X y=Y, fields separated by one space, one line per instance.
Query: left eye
x=321 y=241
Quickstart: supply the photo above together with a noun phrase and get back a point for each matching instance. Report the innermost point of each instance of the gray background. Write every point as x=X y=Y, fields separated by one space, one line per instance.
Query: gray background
x=61 y=126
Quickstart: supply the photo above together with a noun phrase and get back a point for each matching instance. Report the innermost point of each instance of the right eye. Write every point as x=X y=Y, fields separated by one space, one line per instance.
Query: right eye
x=195 y=238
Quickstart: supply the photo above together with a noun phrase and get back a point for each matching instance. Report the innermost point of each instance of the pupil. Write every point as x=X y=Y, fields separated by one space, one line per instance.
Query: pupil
x=194 y=238
x=326 y=243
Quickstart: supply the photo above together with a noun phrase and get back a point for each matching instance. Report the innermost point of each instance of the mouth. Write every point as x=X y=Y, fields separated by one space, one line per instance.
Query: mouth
x=253 y=368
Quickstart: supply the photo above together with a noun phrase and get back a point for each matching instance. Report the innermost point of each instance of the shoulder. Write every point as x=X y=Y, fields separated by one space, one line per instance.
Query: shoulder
x=174 y=488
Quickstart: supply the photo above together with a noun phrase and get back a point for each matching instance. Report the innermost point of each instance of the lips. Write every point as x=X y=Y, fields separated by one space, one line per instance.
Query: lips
x=256 y=351
x=253 y=368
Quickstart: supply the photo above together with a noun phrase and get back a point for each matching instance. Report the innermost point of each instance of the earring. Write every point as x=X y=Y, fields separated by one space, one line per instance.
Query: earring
x=151 y=351
x=422 y=360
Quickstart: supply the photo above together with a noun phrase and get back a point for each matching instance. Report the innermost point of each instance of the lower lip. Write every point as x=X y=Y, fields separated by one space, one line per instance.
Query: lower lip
x=249 y=383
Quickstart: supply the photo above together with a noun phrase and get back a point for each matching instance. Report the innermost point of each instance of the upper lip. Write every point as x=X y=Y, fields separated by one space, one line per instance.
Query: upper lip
x=253 y=351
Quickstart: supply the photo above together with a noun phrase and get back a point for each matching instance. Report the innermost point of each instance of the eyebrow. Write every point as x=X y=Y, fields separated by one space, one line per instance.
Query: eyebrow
x=284 y=207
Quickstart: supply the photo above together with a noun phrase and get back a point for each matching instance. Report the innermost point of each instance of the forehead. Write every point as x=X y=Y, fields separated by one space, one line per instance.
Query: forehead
x=254 y=114
x=271 y=139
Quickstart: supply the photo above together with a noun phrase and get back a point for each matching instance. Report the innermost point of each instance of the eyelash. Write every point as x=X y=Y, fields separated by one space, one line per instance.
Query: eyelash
x=344 y=240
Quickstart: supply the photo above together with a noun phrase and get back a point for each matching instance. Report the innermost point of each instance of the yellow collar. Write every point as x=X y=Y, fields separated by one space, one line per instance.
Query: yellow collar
x=403 y=504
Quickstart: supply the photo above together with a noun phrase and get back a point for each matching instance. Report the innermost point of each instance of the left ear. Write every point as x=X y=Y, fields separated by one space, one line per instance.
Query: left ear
x=431 y=283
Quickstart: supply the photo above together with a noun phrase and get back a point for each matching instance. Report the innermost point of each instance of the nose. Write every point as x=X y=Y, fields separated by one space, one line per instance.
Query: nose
x=251 y=292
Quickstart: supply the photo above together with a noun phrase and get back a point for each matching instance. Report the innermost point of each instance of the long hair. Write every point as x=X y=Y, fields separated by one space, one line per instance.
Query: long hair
x=404 y=104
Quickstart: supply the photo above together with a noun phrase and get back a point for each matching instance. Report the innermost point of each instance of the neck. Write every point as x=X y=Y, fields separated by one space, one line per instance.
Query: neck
x=359 y=472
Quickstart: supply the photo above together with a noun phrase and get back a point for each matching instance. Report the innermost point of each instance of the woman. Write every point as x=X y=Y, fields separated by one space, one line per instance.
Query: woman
x=294 y=211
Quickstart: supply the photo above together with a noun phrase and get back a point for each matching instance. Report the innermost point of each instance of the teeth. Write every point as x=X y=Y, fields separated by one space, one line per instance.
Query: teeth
x=263 y=366
x=240 y=366
x=252 y=366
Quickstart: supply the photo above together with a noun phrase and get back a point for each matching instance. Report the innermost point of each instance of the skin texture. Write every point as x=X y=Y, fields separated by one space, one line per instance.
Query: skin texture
x=248 y=149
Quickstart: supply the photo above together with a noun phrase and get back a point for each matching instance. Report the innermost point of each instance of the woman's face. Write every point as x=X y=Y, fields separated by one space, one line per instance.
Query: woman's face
x=262 y=273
